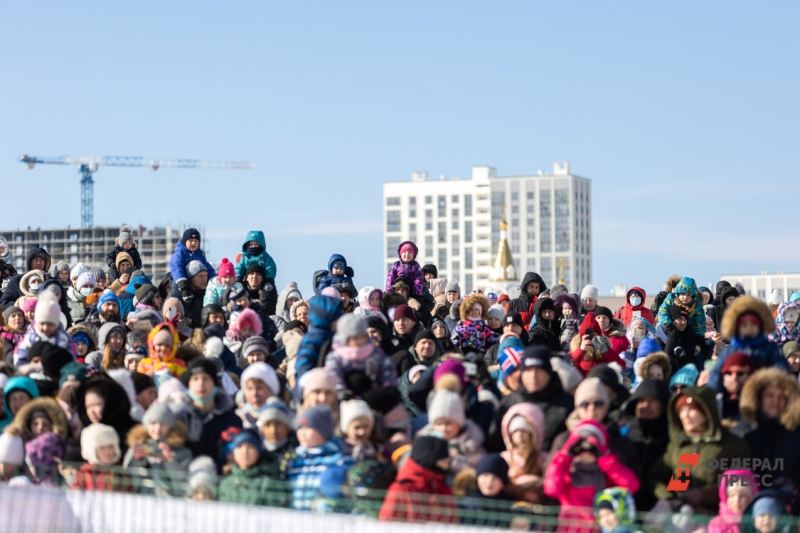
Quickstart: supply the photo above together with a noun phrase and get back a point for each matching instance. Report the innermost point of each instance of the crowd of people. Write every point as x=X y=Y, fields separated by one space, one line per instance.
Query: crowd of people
x=215 y=381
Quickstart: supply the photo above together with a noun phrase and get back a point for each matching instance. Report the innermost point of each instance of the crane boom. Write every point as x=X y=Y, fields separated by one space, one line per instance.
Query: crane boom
x=88 y=165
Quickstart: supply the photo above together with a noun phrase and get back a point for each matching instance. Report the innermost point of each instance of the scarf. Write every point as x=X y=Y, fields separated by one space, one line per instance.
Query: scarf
x=271 y=447
x=749 y=342
x=587 y=475
x=355 y=353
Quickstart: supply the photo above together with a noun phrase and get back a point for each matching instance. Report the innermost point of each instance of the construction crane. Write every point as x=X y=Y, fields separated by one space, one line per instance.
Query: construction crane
x=88 y=165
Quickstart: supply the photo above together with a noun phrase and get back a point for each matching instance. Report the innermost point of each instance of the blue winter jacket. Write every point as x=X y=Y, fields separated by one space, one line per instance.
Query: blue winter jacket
x=16 y=383
x=330 y=279
x=264 y=260
x=304 y=468
x=126 y=298
x=765 y=354
x=182 y=257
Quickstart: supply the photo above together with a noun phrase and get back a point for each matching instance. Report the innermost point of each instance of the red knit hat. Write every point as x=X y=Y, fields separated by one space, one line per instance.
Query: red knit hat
x=753 y=317
x=404 y=311
x=685 y=399
x=225 y=268
x=738 y=359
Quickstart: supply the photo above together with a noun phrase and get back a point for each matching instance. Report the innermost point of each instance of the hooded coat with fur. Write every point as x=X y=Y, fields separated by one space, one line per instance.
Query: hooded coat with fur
x=167 y=475
x=474 y=335
x=764 y=353
x=772 y=438
x=20 y=427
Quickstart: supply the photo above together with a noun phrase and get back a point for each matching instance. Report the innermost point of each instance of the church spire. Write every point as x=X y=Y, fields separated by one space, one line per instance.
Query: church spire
x=503 y=264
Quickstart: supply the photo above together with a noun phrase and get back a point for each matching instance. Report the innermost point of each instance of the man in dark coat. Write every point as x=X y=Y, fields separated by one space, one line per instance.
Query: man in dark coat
x=547 y=330
x=405 y=327
x=729 y=294
x=197 y=275
x=532 y=286
x=38 y=259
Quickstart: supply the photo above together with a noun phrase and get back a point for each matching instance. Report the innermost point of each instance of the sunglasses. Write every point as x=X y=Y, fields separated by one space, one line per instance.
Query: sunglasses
x=597 y=404
x=738 y=373
x=678 y=388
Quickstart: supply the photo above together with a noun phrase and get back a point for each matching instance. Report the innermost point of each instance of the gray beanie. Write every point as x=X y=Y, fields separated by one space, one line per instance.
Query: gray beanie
x=194 y=268
x=125 y=235
x=350 y=325
x=98 y=273
x=61 y=266
x=557 y=290
x=318 y=418
x=453 y=286
x=203 y=473
x=275 y=409
x=159 y=412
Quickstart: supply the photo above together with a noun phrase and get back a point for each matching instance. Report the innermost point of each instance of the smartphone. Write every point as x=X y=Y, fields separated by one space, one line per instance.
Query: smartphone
x=471 y=368
x=637 y=314
x=143 y=325
x=637 y=335
x=172 y=312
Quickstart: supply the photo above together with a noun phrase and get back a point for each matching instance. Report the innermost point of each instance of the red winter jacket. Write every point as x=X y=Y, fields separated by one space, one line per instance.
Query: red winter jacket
x=102 y=478
x=625 y=313
x=576 y=515
x=419 y=495
x=616 y=338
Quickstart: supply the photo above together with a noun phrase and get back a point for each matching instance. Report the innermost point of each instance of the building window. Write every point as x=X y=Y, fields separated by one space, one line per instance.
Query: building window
x=442 y=258
x=455 y=213
x=456 y=268
x=429 y=199
x=392 y=244
x=546 y=270
x=442 y=206
x=412 y=200
x=515 y=248
x=545 y=236
x=467 y=283
x=514 y=222
x=393 y=200
x=428 y=245
x=393 y=221
x=412 y=232
x=531 y=235
x=531 y=248
x=515 y=236
x=412 y=213
x=514 y=209
x=429 y=226
x=442 y=232
x=467 y=205
x=531 y=222
x=467 y=258
x=498 y=199
x=531 y=262
x=455 y=245
x=455 y=224
x=429 y=213
x=530 y=208
x=530 y=196
x=454 y=199
x=562 y=221
x=468 y=231
x=514 y=196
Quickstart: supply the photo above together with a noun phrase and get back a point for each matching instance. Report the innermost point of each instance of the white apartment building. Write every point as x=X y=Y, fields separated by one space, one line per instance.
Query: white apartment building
x=456 y=224
x=761 y=285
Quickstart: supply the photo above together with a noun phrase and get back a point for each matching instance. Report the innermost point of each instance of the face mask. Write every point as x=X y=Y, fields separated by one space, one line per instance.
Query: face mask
x=205 y=400
x=635 y=300
x=238 y=308
x=254 y=250
x=34 y=287
x=86 y=291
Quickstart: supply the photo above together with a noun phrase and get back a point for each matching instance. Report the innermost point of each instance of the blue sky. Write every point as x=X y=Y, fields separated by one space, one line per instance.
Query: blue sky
x=685 y=115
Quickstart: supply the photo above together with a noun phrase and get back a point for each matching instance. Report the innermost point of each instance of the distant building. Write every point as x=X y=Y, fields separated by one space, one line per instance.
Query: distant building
x=456 y=224
x=761 y=285
x=90 y=245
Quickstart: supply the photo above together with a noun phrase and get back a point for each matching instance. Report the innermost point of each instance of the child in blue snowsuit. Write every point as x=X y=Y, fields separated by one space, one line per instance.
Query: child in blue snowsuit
x=254 y=252
x=337 y=273
x=186 y=251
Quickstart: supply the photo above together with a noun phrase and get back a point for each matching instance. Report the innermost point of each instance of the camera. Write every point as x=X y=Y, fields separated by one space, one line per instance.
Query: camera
x=679 y=352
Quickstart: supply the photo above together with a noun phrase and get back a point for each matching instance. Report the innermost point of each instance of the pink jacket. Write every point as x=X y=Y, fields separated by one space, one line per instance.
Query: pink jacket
x=727 y=521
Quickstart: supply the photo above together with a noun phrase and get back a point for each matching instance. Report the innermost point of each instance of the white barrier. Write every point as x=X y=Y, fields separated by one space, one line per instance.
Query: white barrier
x=39 y=510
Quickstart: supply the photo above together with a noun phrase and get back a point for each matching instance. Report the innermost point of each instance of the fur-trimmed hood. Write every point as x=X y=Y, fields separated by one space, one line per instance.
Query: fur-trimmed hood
x=616 y=329
x=742 y=305
x=176 y=438
x=248 y=316
x=455 y=310
x=80 y=328
x=655 y=358
x=671 y=282
x=751 y=396
x=19 y=427
x=469 y=301
x=24 y=282
x=566 y=298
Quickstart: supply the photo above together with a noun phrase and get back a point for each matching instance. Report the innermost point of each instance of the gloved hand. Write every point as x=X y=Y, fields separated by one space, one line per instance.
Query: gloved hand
x=186 y=292
x=601 y=344
x=592 y=445
x=574 y=445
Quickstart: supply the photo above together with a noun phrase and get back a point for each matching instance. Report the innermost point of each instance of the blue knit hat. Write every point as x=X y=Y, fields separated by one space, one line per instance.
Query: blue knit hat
x=324 y=310
x=767 y=505
x=687 y=376
x=107 y=296
x=509 y=354
x=246 y=437
x=646 y=347
x=318 y=418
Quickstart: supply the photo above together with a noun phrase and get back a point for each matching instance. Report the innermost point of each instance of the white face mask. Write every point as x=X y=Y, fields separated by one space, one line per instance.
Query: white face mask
x=635 y=300
x=86 y=291
x=34 y=287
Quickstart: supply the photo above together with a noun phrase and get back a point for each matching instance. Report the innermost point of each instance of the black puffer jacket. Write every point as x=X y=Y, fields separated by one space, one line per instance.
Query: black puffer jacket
x=12 y=290
x=546 y=332
x=524 y=304
x=718 y=311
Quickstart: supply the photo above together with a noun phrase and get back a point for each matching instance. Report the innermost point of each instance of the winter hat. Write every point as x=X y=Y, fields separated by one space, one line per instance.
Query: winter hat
x=492 y=297
x=430 y=269
x=493 y=464
x=603 y=311
x=414 y=370
x=142 y=382
x=331 y=292
x=514 y=318
x=738 y=359
x=509 y=359
x=426 y=450
x=169 y=387
x=685 y=399
x=275 y=409
x=12 y=449
x=47 y=311
x=646 y=347
x=591 y=389
x=352 y=409
x=164 y=337
x=159 y=412
x=446 y=404
x=61 y=266
x=10 y=311
x=190 y=233
x=98 y=273
x=497 y=311
x=648 y=388
x=520 y=423
x=264 y=372
x=72 y=372
x=404 y=311
x=590 y=428
x=687 y=375
x=318 y=378
x=557 y=290
x=775 y=298
x=590 y=291
x=77 y=270
x=537 y=356
x=96 y=435
x=225 y=268
x=144 y=294
x=29 y=305
x=453 y=286
x=257 y=269
x=451 y=366
x=246 y=437
x=199 y=365
x=790 y=347
x=408 y=247
x=319 y=418
x=87 y=278
x=106 y=297
x=568 y=375
x=768 y=505
x=53 y=358
x=350 y=325
x=125 y=235
x=677 y=311
x=194 y=268
x=203 y=473
x=236 y=292
x=611 y=379
x=256 y=343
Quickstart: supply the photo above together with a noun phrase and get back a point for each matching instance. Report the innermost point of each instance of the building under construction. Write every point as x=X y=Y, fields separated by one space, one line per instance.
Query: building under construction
x=90 y=245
